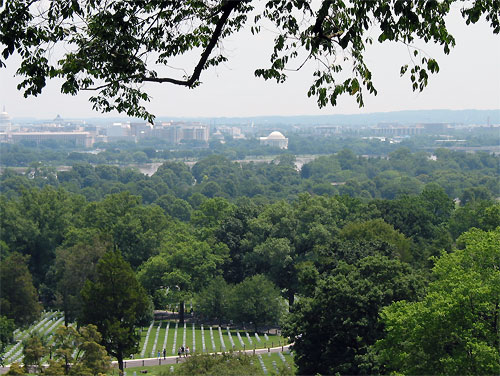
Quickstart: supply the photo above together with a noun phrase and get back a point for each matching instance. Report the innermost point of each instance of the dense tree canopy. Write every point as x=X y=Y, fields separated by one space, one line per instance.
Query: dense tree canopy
x=117 y=46
x=256 y=301
x=213 y=301
x=332 y=331
x=73 y=267
x=340 y=240
x=455 y=328
x=176 y=190
x=7 y=327
x=18 y=296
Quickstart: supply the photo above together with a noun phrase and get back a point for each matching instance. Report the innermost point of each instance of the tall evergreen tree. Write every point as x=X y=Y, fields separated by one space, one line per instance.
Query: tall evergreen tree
x=115 y=303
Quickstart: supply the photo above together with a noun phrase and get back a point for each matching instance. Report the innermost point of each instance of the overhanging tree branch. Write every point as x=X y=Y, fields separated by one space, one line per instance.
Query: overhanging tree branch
x=226 y=9
x=114 y=40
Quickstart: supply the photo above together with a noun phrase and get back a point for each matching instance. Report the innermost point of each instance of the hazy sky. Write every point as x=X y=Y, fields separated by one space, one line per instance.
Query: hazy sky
x=469 y=78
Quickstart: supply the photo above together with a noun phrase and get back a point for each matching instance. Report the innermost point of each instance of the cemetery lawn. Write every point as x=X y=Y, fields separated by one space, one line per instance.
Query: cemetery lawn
x=272 y=340
x=50 y=321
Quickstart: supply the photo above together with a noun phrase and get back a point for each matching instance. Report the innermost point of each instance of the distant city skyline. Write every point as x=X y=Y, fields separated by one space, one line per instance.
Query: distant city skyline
x=469 y=78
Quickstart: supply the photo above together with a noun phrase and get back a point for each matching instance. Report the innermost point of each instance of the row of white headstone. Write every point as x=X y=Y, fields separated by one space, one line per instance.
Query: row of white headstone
x=249 y=339
x=166 y=336
x=263 y=366
x=44 y=330
x=174 y=347
x=146 y=340
x=204 y=349
x=212 y=339
x=222 y=344
x=194 y=339
x=230 y=337
x=240 y=339
x=13 y=353
x=156 y=340
x=275 y=366
x=184 y=337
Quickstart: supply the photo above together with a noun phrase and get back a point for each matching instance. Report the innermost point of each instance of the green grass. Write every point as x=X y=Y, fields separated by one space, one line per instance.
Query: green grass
x=152 y=370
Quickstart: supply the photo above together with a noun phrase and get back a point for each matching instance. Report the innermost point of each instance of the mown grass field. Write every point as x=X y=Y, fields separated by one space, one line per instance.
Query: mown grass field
x=173 y=341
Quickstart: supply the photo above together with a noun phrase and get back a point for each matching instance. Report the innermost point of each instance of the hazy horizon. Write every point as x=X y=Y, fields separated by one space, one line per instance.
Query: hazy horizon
x=469 y=78
x=97 y=115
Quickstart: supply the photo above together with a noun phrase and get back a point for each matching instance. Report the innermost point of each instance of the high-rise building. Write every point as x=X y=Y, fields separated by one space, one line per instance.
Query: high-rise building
x=176 y=132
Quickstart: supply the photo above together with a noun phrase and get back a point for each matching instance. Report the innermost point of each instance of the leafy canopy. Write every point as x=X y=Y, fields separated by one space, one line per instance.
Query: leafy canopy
x=114 y=47
x=455 y=328
x=333 y=330
x=18 y=296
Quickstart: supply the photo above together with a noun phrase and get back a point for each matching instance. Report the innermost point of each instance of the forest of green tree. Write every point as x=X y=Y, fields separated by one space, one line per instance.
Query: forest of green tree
x=361 y=250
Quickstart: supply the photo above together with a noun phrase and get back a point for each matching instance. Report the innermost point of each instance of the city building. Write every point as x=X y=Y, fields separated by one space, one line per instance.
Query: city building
x=176 y=132
x=275 y=139
x=327 y=130
x=118 y=131
x=140 y=130
x=233 y=132
x=435 y=128
x=82 y=139
x=396 y=130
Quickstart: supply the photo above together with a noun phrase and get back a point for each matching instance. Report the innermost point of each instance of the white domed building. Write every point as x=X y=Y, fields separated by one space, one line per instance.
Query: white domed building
x=275 y=139
x=5 y=124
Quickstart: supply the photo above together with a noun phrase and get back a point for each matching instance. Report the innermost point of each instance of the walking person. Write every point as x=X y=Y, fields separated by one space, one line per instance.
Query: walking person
x=182 y=351
x=164 y=354
x=187 y=351
x=179 y=352
x=159 y=355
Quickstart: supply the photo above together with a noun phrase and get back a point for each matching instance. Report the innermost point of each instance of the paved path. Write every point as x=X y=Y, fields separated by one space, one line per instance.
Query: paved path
x=134 y=363
x=175 y=359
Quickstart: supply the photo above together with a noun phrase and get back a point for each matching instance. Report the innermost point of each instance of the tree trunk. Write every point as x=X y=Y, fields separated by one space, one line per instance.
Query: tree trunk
x=119 y=357
x=66 y=365
x=181 y=312
x=66 y=313
x=291 y=299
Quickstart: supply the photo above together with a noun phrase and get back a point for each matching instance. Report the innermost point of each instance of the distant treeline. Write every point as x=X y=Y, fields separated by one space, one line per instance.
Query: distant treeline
x=460 y=174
